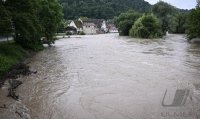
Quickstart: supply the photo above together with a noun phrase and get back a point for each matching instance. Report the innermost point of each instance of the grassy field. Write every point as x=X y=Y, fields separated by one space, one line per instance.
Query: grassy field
x=10 y=55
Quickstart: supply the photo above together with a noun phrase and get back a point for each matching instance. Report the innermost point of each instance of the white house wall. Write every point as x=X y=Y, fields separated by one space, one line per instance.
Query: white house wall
x=89 y=30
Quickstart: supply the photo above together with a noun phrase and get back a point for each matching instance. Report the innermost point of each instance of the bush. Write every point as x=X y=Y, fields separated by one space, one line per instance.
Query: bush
x=125 y=21
x=68 y=33
x=10 y=54
x=81 y=33
x=146 y=26
x=194 y=24
x=27 y=32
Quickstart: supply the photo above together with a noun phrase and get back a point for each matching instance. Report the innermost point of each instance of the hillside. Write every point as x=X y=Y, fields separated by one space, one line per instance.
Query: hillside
x=101 y=8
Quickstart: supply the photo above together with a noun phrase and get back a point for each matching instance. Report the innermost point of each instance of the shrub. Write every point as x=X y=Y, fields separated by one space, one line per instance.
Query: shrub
x=125 y=21
x=146 y=26
x=194 y=24
x=10 y=54
x=81 y=33
x=68 y=33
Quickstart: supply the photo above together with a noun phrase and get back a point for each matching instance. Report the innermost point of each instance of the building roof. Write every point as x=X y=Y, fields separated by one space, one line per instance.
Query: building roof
x=88 y=24
x=70 y=28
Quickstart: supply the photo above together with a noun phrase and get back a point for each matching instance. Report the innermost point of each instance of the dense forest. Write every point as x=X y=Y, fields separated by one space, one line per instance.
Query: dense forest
x=105 y=9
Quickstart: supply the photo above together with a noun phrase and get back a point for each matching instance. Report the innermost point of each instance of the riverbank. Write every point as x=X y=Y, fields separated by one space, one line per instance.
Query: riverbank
x=11 y=54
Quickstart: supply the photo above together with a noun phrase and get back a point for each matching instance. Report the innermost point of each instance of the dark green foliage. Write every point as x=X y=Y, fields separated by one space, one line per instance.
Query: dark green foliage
x=25 y=22
x=164 y=12
x=10 y=54
x=125 y=21
x=68 y=33
x=31 y=20
x=82 y=33
x=171 y=18
x=27 y=31
x=178 y=23
x=50 y=17
x=146 y=26
x=162 y=9
x=194 y=24
x=5 y=21
x=103 y=9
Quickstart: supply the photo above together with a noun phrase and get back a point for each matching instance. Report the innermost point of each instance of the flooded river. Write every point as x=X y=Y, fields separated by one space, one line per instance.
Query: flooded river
x=111 y=77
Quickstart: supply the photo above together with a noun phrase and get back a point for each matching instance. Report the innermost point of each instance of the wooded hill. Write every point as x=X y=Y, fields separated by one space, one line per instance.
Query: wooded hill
x=105 y=9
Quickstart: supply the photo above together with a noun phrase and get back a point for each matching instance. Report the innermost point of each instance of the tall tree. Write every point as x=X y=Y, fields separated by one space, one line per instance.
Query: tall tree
x=125 y=21
x=50 y=16
x=104 y=9
x=164 y=11
x=26 y=24
x=34 y=19
x=5 y=21
x=146 y=26
x=194 y=24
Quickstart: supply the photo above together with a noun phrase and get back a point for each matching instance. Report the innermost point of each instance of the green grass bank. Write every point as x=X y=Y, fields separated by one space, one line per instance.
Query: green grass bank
x=10 y=55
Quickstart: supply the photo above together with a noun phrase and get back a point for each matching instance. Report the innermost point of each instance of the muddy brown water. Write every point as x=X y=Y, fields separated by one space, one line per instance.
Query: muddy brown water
x=110 y=77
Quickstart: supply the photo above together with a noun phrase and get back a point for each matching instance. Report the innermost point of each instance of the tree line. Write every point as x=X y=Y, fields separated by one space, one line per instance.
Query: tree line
x=101 y=9
x=30 y=20
x=162 y=18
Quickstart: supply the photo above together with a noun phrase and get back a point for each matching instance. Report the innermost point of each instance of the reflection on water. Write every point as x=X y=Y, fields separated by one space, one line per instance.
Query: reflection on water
x=113 y=77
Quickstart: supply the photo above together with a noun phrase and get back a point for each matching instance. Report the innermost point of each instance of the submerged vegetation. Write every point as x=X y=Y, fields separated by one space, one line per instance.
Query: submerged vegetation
x=29 y=20
x=163 y=18
x=125 y=21
x=194 y=24
x=146 y=26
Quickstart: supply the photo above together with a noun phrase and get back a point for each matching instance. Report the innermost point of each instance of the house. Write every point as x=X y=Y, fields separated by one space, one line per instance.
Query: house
x=71 y=30
x=104 y=27
x=72 y=24
x=89 y=28
x=75 y=27
x=79 y=25
x=92 y=25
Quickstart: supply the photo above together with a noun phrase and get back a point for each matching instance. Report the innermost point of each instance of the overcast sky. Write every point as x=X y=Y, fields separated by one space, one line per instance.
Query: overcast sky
x=183 y=4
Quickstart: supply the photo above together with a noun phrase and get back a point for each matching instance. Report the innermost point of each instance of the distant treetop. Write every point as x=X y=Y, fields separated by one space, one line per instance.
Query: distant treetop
x=101 y=9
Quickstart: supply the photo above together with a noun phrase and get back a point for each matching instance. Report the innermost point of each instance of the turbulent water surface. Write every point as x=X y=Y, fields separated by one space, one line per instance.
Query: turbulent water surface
x=111 y=77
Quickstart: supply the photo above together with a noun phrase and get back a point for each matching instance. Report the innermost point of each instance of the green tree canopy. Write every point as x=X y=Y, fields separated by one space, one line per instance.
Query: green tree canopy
x=50 y=17
x=32 y=19
x=146 y=26
x=171 y=18
x=125 y=21
x=5 y=21
x=103 y=9
x=194 y=24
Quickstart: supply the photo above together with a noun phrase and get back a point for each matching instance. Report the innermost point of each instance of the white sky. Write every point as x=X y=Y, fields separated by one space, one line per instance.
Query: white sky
x=183 y=4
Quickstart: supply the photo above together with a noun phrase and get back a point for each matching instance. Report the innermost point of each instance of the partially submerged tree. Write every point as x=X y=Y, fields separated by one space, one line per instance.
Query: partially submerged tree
x=125 y=21
x=34 y=19
x=146 y=26
x=194 y=24
x=164 y=12
x=50 y=17
x=25 y=22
